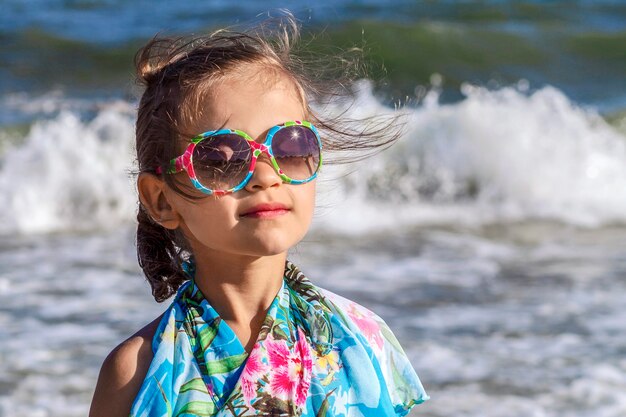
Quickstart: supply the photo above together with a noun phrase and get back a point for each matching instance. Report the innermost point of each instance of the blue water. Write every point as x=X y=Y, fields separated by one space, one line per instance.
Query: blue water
x=499 y=237
x=110 y=21
x=577 y=46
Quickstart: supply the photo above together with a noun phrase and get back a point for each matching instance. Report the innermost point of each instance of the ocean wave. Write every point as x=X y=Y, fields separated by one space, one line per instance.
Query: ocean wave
x=69 y=175
x=497 y=156
x=503 y=155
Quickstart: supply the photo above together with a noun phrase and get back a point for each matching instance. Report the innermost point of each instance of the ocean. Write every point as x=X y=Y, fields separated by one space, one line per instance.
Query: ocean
x=491 y=237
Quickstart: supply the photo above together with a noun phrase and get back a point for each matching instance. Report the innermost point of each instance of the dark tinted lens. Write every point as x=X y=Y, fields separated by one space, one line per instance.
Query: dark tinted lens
x=221 y=162
x=297 y=152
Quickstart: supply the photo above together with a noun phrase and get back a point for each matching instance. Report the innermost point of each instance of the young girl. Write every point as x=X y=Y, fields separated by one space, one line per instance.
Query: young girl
x=228 y=153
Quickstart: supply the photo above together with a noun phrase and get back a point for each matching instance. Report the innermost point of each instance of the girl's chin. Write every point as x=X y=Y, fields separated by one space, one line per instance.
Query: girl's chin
x=261 y=241
x=272 y=247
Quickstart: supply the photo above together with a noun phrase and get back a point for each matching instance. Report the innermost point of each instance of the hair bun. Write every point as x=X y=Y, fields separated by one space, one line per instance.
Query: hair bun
x=146 y=71
x=153 y=58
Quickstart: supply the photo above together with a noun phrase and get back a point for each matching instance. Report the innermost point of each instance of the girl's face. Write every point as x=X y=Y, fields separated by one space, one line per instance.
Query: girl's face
x=253 y=102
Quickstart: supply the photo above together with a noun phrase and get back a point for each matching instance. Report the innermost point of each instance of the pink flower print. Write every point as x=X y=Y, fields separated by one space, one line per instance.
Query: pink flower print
x=254 y=369
x=290 y=376
x=303 y=350
x=367 y=324
x=278 y=352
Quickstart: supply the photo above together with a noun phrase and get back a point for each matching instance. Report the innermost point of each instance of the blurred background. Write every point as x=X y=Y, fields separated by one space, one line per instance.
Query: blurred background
x=491 y=237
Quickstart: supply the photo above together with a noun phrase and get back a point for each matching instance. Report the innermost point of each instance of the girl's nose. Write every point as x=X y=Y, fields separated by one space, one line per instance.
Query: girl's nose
x=264 y=175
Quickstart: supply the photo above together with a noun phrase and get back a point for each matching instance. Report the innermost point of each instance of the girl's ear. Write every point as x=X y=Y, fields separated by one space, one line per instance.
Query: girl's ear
x=153 y=197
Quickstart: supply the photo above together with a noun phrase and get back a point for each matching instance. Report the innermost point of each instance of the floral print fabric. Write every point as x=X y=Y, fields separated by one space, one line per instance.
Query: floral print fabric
x=317 y=354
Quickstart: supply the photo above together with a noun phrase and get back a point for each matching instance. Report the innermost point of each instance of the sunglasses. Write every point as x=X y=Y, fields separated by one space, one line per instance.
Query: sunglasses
x=222 y=161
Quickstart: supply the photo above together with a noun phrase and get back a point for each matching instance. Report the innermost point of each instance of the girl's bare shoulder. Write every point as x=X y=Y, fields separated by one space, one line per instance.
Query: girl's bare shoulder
x=122 y=374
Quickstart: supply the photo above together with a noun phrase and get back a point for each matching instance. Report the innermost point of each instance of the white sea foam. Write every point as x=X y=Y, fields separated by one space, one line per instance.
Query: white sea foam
x=69 y=174
x=496 y=156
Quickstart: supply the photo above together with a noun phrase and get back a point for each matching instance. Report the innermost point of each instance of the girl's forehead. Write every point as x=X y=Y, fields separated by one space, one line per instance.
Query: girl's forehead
x=251 y=102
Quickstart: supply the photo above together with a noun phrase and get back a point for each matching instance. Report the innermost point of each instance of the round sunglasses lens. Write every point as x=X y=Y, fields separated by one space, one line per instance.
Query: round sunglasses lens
x=222 y=162
x=297 y=152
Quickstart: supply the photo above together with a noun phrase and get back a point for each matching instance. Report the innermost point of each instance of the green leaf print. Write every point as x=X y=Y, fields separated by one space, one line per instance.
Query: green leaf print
x=189 y=329
x=197 y=408
x=207 y=334
x=278 y=333
x=399 y=380
x=168 y=406
x=325 y=405
x=196 y=384
x=271 y=406
x=303 y=286
x=266 y=327
x=339 y=312
x=322 y=328
x=226 y=365
x=201 y=341
x=387 y=334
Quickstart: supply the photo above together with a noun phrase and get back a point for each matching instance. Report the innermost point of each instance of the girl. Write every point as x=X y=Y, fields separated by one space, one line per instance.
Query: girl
x=228 y=154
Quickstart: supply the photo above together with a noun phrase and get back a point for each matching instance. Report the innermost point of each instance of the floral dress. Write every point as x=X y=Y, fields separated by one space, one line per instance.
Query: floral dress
x=317 y=354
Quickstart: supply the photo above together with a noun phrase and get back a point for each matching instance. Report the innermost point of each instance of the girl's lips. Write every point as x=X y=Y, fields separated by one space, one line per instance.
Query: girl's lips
x=266 y=210
x=266 y=214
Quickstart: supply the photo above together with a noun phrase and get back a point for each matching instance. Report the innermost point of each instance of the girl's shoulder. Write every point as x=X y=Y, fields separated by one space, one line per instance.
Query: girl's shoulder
x=123 y=372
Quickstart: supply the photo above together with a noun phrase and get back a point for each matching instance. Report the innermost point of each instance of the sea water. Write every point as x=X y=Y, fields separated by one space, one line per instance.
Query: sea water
x=490 y=237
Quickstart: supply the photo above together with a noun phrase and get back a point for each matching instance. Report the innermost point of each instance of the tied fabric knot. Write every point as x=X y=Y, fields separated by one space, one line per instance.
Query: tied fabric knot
x=315 y=323
x=309 y=308
x=189 y=268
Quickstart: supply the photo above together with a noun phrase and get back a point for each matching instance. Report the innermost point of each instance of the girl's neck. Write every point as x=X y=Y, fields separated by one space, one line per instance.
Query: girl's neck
x=240 y=288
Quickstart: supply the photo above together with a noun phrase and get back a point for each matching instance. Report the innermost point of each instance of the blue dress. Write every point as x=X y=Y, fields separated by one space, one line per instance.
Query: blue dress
x=317 y=354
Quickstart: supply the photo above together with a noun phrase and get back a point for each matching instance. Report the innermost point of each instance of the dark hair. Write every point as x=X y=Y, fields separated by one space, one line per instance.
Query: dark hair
x=178 y=73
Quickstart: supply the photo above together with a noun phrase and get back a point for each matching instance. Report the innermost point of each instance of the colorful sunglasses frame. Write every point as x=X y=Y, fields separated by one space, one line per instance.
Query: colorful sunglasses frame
x=184 y=162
